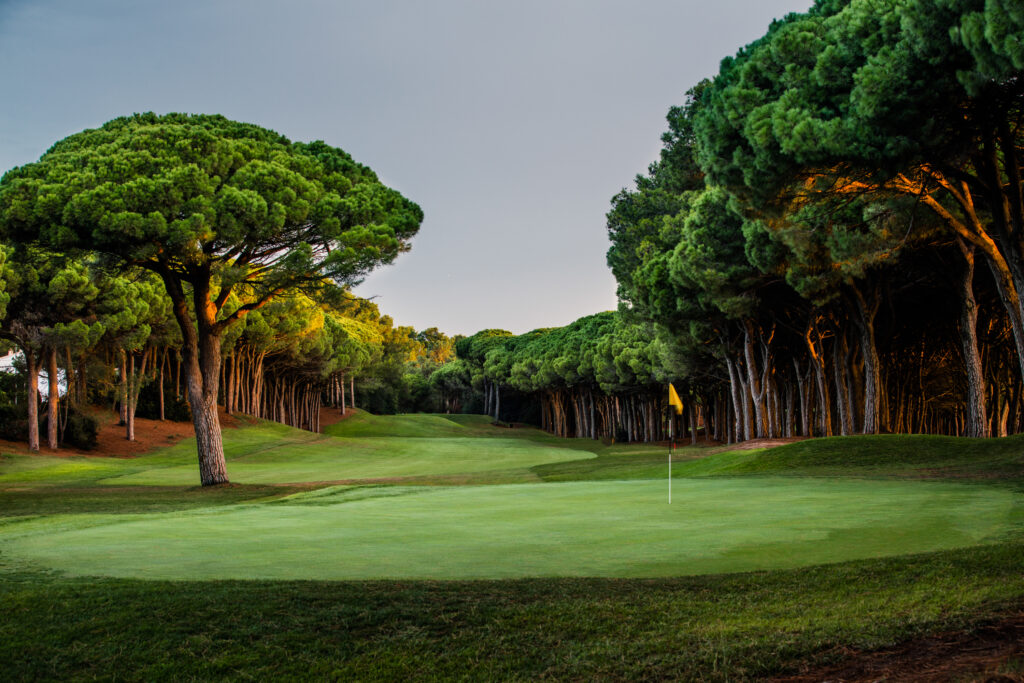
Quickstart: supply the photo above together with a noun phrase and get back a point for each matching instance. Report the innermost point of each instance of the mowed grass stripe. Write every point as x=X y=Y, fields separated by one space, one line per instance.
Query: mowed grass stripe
x=330 y=459
x=599 y=529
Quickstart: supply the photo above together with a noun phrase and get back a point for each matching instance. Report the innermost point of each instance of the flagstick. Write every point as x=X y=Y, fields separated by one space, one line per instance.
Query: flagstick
x=671 y=425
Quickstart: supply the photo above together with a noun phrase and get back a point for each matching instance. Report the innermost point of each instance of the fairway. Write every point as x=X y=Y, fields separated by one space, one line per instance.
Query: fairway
x=266 y=453
x=621 y=529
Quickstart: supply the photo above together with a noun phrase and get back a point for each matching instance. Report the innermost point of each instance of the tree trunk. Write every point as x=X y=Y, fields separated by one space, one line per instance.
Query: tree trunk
x=82 y=379
x=32 y=365
x=129 y=411
x=229 y=391
x=865 y=323
x=163 y=362
x=817 y=362
x=53 y=399
x=123 y=389
x=734 y=391
x=69 y=379
x=201 y=361
x=341 y=385
x=755 y=386
x=693 y=422
x=804 y=415
x=840 y=384
x=136 y=380
x=976 y=423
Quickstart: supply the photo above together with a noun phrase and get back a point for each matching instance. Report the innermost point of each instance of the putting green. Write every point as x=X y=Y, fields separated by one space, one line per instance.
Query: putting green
x=623 y=529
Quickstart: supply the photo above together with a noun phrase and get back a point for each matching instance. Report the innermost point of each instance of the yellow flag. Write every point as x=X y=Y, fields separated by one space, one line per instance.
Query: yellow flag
x=673 y=399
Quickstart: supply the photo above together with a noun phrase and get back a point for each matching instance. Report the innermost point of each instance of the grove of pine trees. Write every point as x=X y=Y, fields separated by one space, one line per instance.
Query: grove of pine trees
x=831 y=242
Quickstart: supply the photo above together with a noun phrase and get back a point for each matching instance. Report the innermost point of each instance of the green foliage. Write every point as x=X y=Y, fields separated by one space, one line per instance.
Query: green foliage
x=81 y=430
x=175 y=407
x=600 y=350
x=13 y=421
x=13 y=384
x=182 y=191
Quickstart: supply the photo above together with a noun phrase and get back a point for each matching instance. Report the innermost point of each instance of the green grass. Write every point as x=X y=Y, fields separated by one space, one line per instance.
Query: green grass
x=604 y=529
x=268 y=453
x=905 y=455
x=716 y=628
x=124 y=568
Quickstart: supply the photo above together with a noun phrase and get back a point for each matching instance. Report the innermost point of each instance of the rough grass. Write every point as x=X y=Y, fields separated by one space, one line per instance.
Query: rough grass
x=732 y=627
x=713 y=627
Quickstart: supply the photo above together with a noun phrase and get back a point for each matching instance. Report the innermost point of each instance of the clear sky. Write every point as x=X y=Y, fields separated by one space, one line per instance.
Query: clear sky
x=511 y=123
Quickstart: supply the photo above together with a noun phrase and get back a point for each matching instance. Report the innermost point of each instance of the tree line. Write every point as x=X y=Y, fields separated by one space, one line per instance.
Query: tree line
x=833 y=231
x=831 y=241
x=110 y=337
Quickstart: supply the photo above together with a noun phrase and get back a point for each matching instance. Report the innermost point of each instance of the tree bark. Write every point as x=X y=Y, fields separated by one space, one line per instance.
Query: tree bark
x=129 y=409
x=163 y=362
x=754 y=383
x=69 y=378
x=840 y=383
x=32 y=366
x=135 y=382
x=53 y=399
x=976 y=421
x=817 y=362
x=865 y=323
x=201 y=361
x=341 y=384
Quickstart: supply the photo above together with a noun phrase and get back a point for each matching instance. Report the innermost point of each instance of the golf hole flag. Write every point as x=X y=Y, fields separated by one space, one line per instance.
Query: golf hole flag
x=673 y=399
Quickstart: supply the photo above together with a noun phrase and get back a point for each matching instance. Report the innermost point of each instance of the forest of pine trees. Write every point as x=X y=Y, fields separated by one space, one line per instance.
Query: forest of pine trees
x=831 y=243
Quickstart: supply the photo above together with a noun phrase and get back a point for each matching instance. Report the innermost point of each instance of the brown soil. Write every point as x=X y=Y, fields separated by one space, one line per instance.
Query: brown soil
x=763 y=443
x=991 y=652
x=149 y=435
x=721 y=446
x=111 y=441
x=329 y=416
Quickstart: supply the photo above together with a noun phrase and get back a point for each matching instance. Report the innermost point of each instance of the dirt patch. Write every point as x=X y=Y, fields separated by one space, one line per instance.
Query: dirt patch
x=330 y=416
x=990 y=652
x=111 y=441
x=763 y=443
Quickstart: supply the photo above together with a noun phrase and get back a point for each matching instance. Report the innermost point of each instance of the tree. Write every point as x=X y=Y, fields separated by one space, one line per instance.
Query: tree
x=917 y=98
x=48 y=297
x=213 y=207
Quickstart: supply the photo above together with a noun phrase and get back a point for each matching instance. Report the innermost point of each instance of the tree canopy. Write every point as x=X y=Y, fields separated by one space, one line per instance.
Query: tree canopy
x=216 y=209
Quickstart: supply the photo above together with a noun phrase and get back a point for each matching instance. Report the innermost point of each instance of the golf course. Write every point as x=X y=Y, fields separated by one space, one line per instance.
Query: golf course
x=450 y=517
x=707 y=362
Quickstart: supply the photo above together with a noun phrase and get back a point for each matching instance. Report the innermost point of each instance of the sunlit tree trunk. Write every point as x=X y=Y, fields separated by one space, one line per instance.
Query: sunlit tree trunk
x=53 y=399
x=201 y=363
x=32 y=367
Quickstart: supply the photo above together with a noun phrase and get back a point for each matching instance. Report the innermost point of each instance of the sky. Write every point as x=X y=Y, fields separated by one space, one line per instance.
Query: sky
x=512 y=124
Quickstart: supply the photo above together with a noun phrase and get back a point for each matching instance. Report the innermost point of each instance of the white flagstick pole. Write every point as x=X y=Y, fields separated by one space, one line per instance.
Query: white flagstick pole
x=671 y=425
